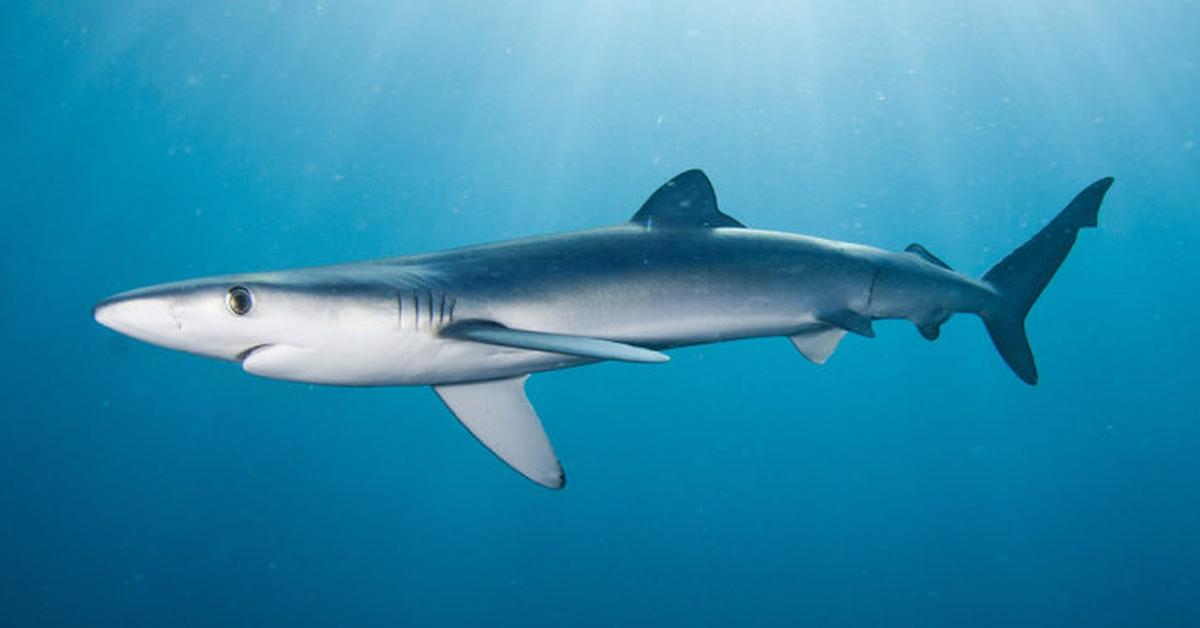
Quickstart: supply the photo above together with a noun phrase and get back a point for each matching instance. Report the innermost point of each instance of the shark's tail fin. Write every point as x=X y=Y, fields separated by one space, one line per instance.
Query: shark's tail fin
x=1019 y=278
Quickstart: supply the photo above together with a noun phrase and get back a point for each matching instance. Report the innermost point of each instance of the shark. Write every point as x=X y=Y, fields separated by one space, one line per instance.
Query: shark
x=475 y=322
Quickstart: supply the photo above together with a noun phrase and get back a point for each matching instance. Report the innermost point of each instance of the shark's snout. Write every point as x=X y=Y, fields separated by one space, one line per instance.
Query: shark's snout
x=194 y=316
x=145 y=317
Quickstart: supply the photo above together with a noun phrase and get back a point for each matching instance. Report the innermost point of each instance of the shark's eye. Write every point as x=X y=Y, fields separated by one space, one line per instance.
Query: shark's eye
x=239 y=300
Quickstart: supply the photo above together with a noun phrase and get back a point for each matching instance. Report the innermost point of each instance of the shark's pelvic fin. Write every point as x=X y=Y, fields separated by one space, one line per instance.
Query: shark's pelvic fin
x=583 y=346
x=687 y=201
x=817 y=345
x=852 y=321
x=923 y=253
x=499 y=414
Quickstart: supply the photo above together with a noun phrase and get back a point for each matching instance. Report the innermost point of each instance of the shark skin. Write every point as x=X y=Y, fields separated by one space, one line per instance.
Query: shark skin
x=475 y=322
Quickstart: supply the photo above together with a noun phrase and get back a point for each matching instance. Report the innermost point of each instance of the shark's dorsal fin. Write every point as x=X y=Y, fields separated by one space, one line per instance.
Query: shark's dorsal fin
x=687 y=201
x=498 y=413
x=923 y=253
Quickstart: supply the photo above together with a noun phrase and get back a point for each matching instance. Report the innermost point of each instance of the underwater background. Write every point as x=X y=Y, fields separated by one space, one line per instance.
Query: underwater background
x=904 y=483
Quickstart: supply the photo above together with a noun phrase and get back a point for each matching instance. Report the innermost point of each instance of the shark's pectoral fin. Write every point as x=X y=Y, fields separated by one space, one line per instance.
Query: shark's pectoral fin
x=851 y=321
x=499 y=414
x=817 y=345
x=583 y=346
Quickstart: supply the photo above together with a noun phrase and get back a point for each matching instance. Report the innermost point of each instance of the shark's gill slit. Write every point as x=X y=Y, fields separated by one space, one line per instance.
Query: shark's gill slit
x=416 y=311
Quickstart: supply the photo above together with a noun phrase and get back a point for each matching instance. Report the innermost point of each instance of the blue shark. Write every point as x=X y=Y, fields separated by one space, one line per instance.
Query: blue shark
x=475 y=322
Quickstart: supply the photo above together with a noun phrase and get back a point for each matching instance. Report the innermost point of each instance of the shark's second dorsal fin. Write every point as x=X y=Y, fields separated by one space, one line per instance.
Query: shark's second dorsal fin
x=923 y=253
x=687 y=201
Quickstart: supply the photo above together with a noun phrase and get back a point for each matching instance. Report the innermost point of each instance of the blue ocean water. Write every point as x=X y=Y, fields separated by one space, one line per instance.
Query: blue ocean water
x=904 y=483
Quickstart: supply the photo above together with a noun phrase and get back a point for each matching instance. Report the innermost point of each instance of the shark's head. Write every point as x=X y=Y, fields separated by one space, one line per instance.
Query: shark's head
x=311 y=325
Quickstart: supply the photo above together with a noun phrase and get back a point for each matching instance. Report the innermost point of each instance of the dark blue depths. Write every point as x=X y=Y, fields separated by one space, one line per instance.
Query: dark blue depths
x=903 y=483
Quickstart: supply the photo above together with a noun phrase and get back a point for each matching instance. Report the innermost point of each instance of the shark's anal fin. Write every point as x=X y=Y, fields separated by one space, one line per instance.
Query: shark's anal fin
x=583 y=346
x=851 y=321
x=499 y=414
x=687 y=201
x=817 y=345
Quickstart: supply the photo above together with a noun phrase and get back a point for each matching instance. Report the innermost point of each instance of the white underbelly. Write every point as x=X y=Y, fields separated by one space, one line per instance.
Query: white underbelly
x=403 y=359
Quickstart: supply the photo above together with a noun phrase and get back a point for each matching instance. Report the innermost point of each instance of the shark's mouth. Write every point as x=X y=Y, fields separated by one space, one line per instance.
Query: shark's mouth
x=283 y=361
x=241 y=357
